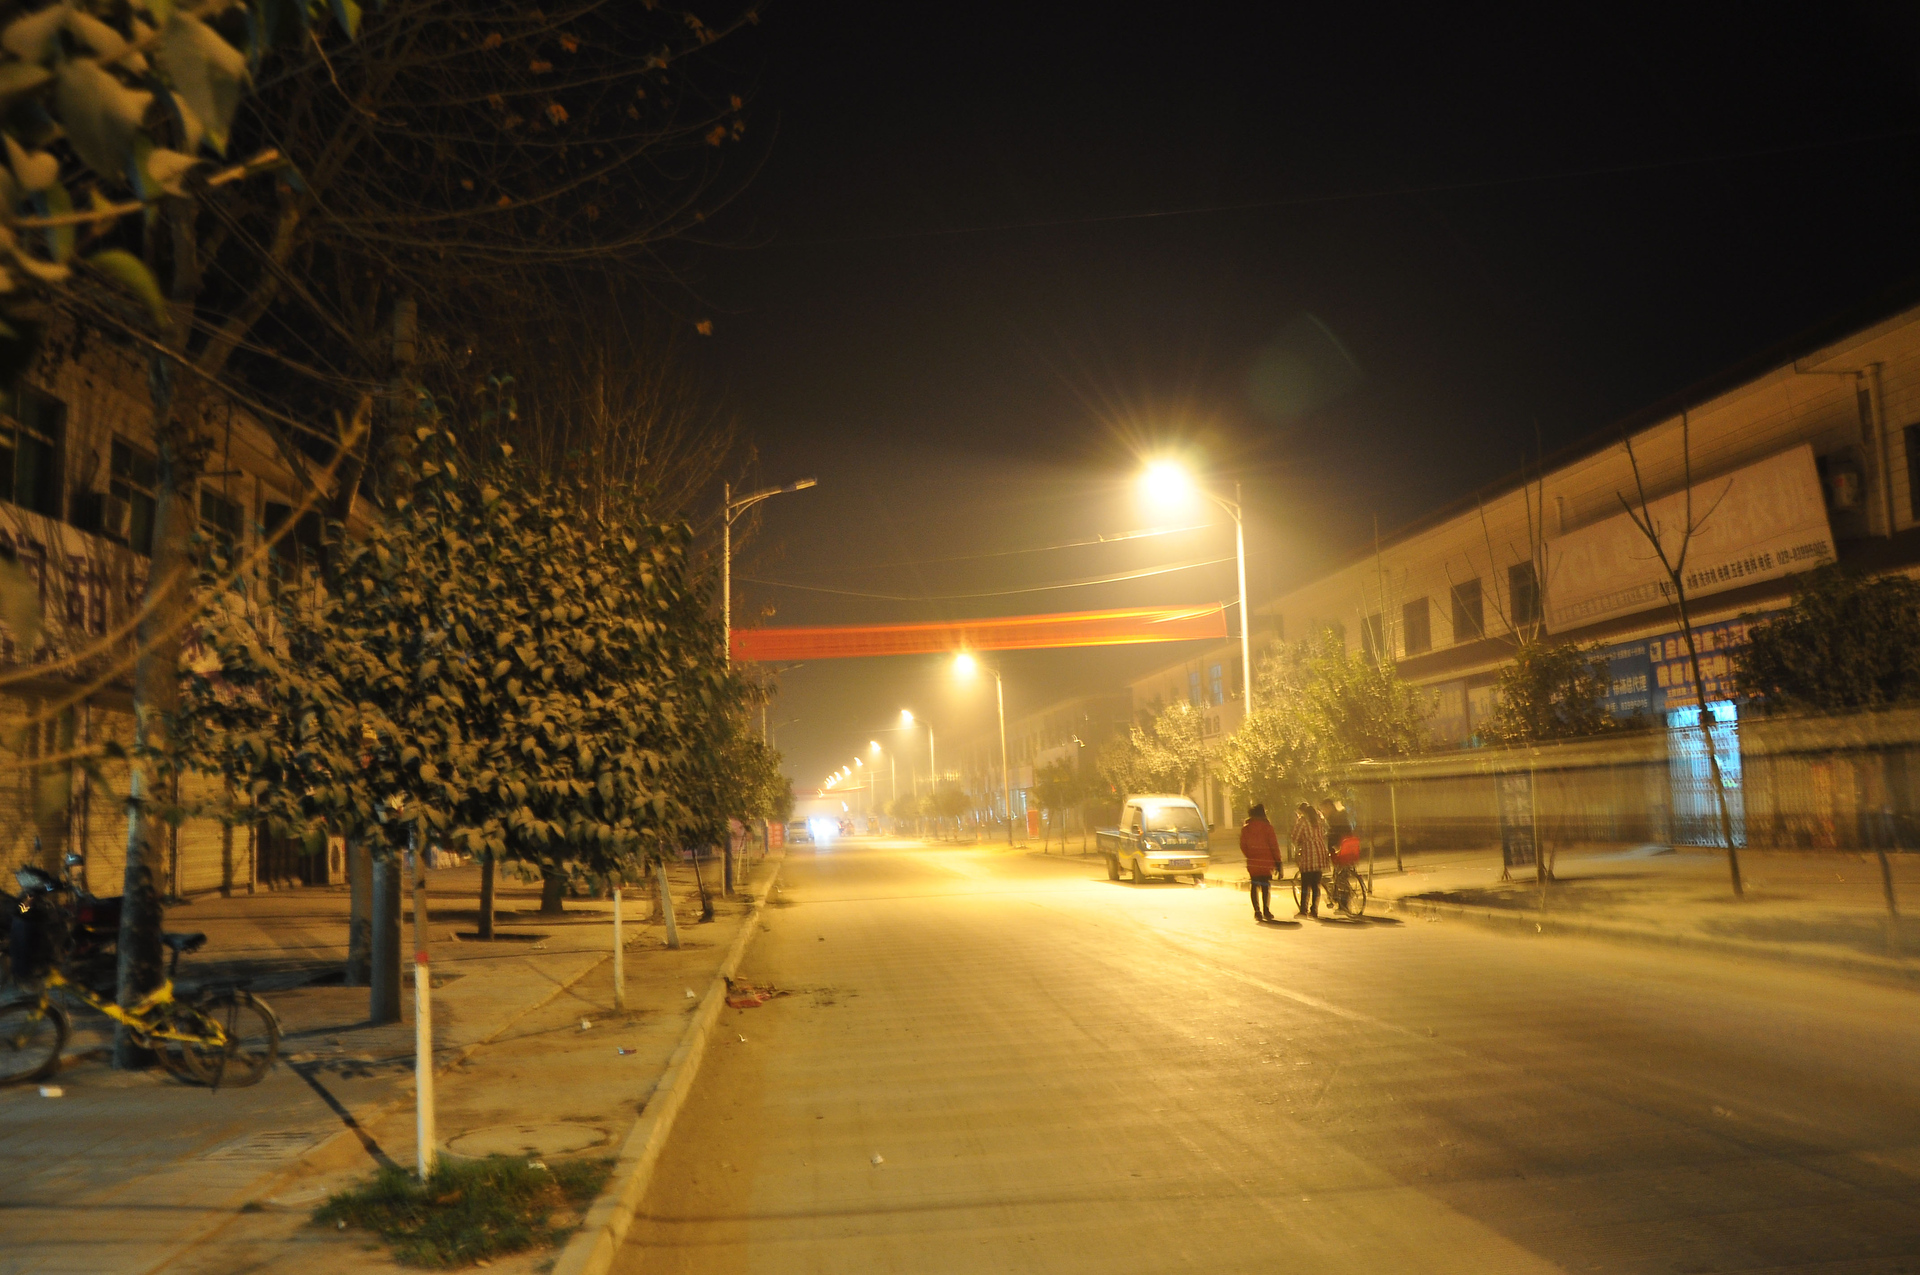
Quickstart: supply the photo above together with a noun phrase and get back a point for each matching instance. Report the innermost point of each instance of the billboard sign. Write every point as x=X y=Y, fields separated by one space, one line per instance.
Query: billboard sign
x=1762 y=522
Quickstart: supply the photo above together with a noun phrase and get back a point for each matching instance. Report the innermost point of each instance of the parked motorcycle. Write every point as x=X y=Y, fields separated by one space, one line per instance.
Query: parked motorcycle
x=55 y=921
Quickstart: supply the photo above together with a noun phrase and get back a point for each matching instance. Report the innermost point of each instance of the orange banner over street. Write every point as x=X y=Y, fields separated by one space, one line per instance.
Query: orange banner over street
x=1009 y=633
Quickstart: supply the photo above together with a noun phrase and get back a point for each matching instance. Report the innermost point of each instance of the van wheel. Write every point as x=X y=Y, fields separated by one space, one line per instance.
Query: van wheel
x=1113 y=868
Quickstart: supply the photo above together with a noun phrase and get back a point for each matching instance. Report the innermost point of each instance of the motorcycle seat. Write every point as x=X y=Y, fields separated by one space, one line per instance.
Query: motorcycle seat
x=181 y=943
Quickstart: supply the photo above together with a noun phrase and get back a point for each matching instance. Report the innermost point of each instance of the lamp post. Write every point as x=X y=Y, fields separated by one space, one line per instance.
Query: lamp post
x=1166 y=480
x=964 y=665
x=731 y=509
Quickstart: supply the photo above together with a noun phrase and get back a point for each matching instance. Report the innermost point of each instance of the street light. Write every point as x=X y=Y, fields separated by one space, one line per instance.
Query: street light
x=731 y=509
x=933 y=775
x=1169 y=482
x=964 y=667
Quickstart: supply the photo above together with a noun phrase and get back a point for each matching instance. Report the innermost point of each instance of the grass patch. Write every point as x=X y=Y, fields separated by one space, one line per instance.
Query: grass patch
x=470 y=1209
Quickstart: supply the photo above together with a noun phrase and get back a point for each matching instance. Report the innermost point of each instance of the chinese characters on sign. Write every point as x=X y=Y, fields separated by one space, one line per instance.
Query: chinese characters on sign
x=1653 y=675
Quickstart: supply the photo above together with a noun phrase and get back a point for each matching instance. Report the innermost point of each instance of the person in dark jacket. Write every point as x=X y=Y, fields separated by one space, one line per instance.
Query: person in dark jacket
x=1260 y=846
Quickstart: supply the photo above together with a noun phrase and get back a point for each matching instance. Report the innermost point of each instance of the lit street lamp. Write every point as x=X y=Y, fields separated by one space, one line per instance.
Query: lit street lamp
x=731 y=509
x=1168 y=482
x=965 y=666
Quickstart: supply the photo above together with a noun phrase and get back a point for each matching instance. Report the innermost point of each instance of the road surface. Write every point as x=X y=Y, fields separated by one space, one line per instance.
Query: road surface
x=990 y=1062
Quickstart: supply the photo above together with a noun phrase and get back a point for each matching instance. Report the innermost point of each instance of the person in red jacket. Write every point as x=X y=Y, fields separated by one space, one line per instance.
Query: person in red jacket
x=1260 y=846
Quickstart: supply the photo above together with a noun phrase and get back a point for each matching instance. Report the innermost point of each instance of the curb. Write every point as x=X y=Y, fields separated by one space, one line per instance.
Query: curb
x=1877 y=969
x=593 y=1247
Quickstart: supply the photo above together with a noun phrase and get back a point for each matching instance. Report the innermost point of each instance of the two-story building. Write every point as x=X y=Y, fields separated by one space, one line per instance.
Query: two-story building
x=77 y=503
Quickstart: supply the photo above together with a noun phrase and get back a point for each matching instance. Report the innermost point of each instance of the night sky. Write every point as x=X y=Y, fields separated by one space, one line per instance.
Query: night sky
x=1356 y=258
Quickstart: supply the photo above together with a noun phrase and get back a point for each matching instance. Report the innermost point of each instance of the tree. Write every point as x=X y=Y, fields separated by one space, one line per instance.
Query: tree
x=1275 y=758
x=1055 y=786
x=1846 y=642
x=1553 y=691
x=1358 y=707
x=1671 y=546
x=491 y=668
x=1163 y=754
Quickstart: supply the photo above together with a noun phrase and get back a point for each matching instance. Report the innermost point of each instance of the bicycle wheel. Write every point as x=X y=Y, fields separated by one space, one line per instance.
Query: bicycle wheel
x=1353 y=894
x=32 y=1033
x=251 y=1034
x=179 y=1035
x=1294 y=881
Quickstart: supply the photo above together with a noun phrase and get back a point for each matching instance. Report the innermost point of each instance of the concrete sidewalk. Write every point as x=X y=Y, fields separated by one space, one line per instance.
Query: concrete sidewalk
x=1820 y=909
x=1823 y=909
x=134 y=1172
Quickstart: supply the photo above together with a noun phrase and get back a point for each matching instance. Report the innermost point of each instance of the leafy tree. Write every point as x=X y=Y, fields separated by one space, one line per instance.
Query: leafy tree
x=1553 y=691
x=1276 y=756
x=490 y=669
x=1359 y=708
x=1163 y=754
x=1846 y=642
x=1056 y=787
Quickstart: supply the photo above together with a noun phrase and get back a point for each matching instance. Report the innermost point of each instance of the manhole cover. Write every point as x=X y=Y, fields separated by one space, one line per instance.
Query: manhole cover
x=527 y=1139
x=279 y=1144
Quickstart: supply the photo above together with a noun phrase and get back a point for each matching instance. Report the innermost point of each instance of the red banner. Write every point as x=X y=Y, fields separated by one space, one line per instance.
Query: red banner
x=1009 y=633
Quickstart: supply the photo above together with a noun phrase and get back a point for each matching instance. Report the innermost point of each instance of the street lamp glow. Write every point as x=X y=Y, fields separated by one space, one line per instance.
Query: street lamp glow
x=906 y=717
x=1167 y=482
x=858 y=763
x=965 y=666
x=874 y=746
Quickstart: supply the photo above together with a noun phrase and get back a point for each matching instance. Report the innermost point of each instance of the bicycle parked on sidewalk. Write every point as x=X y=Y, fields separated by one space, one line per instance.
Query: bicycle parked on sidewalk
x=225 y=1036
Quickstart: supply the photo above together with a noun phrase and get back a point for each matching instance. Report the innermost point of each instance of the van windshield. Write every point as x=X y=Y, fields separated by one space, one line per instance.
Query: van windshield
x=1174 y=819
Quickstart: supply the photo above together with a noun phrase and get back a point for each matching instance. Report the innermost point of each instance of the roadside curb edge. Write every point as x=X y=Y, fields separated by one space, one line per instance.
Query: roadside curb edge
x=1881 y=969
x=592 y=1249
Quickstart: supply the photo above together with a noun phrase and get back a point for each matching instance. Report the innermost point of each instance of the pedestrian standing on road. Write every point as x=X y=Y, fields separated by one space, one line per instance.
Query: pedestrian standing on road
x=1260 y=846
x=1310 y=852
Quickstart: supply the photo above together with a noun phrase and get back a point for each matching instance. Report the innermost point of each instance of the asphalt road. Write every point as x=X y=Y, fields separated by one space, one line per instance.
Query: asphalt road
x=994 y=1063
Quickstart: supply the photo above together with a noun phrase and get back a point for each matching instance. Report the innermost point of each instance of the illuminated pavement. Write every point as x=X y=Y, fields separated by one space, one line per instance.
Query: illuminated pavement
x=1065 y=1074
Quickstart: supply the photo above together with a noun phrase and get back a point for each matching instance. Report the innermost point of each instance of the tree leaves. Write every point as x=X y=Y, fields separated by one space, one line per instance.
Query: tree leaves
x=207 y=72
x=101 y=115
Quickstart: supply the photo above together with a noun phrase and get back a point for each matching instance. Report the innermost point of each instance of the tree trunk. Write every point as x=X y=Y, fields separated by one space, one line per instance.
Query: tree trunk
x=359 y=913
x=553 y=888
x=486 y=897
x=383 y=1000
x=156 y=697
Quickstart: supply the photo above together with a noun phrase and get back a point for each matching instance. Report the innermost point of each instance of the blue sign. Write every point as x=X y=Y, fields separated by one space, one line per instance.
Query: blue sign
x=1653 y=675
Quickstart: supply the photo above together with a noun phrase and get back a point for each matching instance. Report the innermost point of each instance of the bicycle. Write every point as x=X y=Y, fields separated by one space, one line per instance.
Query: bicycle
x=1343 y=887
x=226 y=1037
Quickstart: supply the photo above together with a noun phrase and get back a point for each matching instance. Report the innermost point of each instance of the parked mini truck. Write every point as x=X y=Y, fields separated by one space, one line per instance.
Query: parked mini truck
x=1159 y=836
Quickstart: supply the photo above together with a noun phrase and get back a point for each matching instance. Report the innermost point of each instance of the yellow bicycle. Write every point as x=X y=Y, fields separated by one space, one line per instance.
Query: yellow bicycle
x=224 y=1037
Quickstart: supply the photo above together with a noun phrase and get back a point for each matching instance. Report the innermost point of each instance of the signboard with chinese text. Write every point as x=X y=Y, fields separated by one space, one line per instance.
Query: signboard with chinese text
x=1653 y=675
x=1759 y=523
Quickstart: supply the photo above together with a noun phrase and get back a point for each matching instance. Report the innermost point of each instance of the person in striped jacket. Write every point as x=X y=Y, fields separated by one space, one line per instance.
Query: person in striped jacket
x=1310 y=852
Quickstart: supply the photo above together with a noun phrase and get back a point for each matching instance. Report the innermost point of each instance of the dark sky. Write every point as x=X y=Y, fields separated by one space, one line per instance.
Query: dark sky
x=1355 y=257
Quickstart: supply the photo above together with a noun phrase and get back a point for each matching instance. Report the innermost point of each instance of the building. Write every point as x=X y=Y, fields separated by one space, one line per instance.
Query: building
x=1208 y=681
x=77 y=502
x=1806 y=454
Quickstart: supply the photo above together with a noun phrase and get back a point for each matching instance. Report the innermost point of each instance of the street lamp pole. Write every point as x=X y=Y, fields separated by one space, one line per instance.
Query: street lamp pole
x=1006 y=780
x=729 y=510
x=1246 y=621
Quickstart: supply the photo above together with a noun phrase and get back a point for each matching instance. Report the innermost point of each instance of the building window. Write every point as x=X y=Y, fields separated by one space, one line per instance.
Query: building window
x=1469 y=621
x=1194 y=696
x=1416 y=625
x=220 y=517
x=1523 y=587
x=1371 y=638
x=30 y=426
x=301 y=547
x=1912 y=433
x=132 y=476
x=1216 y=685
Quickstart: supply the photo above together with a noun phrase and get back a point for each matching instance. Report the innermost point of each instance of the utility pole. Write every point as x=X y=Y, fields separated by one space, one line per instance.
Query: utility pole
x=1006 y=777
